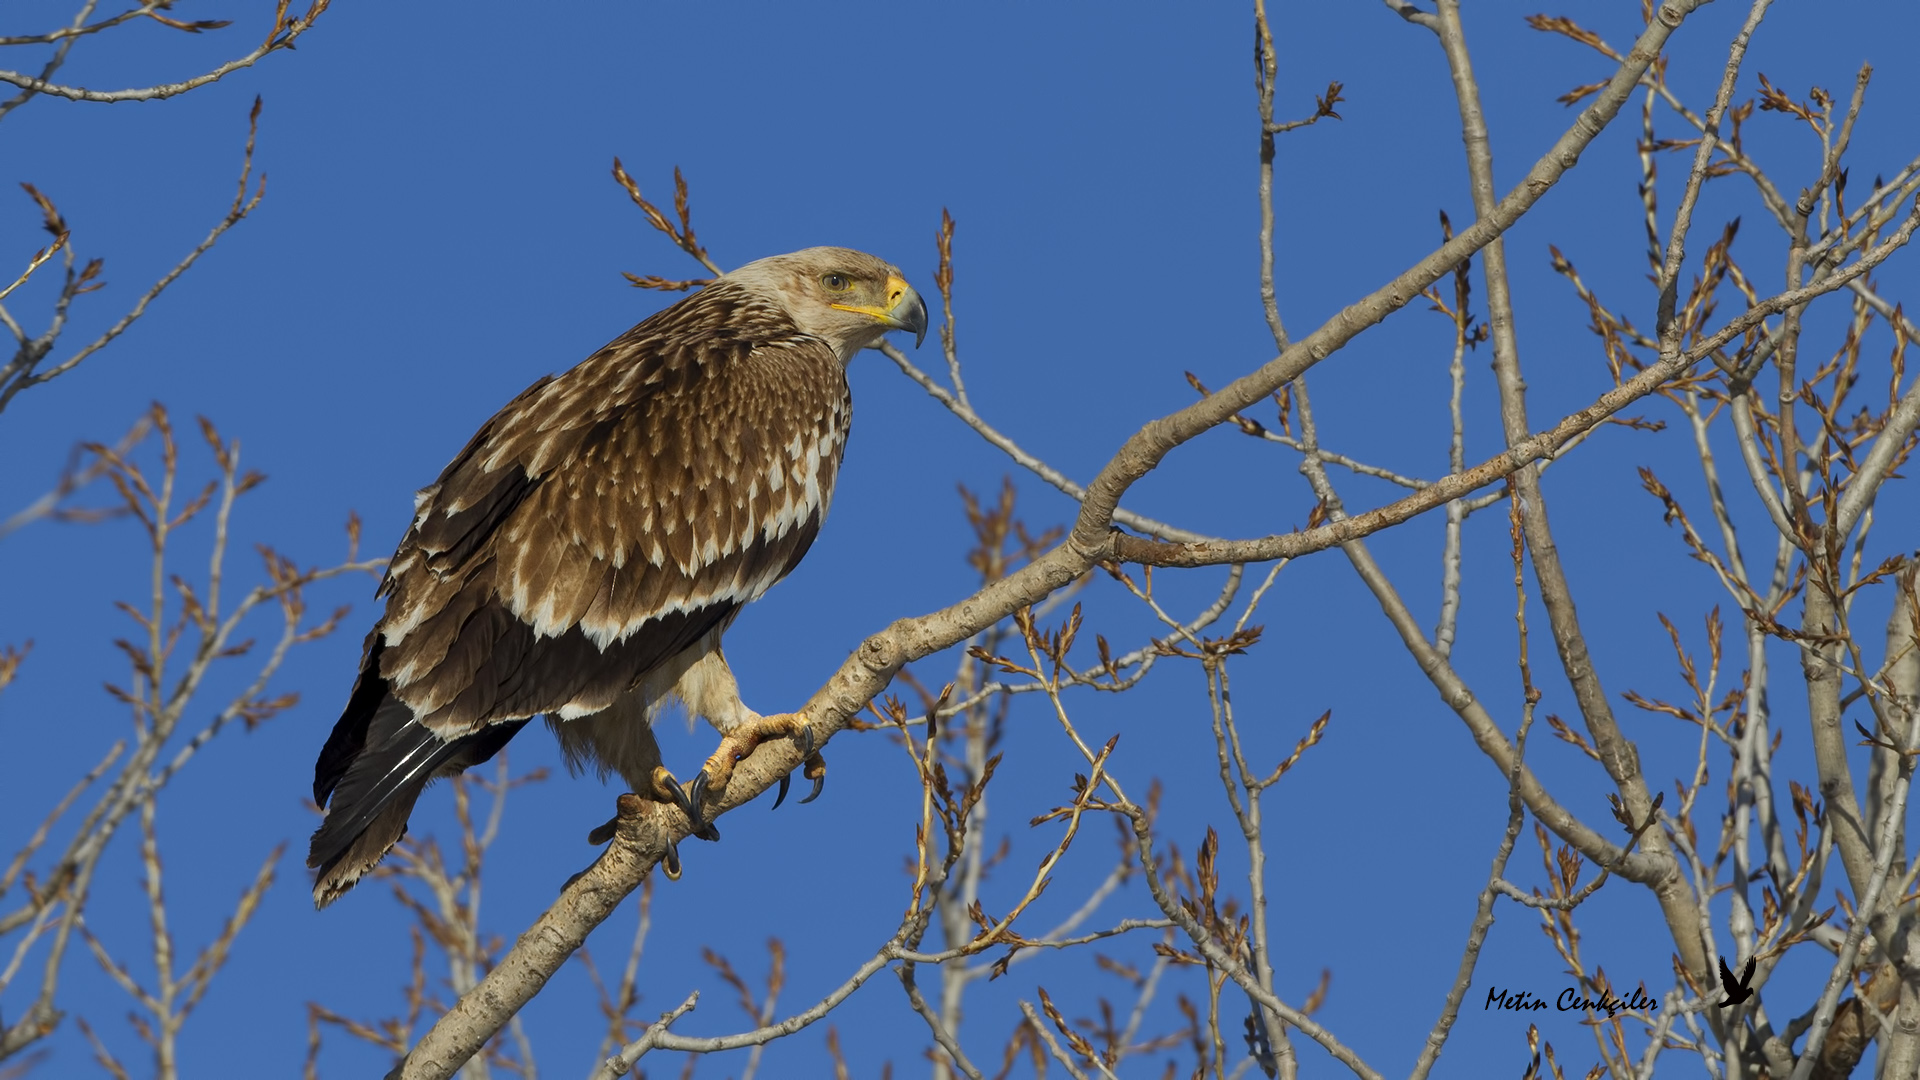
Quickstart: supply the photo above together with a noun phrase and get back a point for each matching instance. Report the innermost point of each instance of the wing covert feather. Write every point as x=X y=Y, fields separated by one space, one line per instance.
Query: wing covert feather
x=607 y=518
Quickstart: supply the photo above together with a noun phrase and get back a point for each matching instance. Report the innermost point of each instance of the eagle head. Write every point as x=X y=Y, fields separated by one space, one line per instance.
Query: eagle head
x=847 y=298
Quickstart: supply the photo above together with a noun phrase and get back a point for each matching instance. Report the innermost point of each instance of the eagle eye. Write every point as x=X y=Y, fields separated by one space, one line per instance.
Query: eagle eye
x=835 y=282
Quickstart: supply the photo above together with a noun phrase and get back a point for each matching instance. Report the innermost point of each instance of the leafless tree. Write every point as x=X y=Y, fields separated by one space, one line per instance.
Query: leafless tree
x=191 y=627
x=1815 y=452
x=32 y=363
x=1815 y=456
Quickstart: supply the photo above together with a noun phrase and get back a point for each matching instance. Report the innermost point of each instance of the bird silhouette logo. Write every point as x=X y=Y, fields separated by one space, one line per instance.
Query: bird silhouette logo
x=1737 y=991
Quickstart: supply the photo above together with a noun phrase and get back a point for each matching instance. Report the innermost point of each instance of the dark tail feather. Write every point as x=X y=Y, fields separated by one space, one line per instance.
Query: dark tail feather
x=372 y=777
x=344 y=868
x=350 y=731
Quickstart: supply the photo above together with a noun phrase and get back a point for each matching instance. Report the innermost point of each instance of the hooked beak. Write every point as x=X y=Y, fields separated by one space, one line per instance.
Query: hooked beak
x=904 y=311
x=908 y=312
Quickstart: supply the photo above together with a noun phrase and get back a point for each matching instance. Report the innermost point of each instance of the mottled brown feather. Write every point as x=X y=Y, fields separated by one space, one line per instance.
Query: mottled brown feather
x=593 y=540
x=633 y=485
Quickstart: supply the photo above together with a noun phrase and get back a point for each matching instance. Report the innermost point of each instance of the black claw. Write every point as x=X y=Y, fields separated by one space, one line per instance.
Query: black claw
x=671 y=862
x=786 y=781
x=806 y=742
x=696 y=798
x=680 y=798
x=819 y=784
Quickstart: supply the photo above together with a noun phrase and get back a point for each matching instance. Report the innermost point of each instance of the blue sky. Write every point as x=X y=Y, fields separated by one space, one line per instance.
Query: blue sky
x=440 y=229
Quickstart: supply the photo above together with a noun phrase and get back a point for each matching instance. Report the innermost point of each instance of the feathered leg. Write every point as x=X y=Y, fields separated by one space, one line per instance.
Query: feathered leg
x=620 y=739
x=708 y=688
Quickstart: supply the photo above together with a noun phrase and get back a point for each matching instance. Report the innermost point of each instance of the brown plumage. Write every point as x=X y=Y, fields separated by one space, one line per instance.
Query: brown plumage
x=582 y=556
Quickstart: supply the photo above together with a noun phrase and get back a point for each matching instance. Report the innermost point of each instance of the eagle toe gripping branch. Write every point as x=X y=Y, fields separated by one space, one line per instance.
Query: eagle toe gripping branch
x=664 y=788
x=740 y=743
x=814 y=769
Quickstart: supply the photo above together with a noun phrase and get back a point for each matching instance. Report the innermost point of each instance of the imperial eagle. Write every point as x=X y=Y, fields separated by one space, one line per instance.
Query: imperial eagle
x=582 y=556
